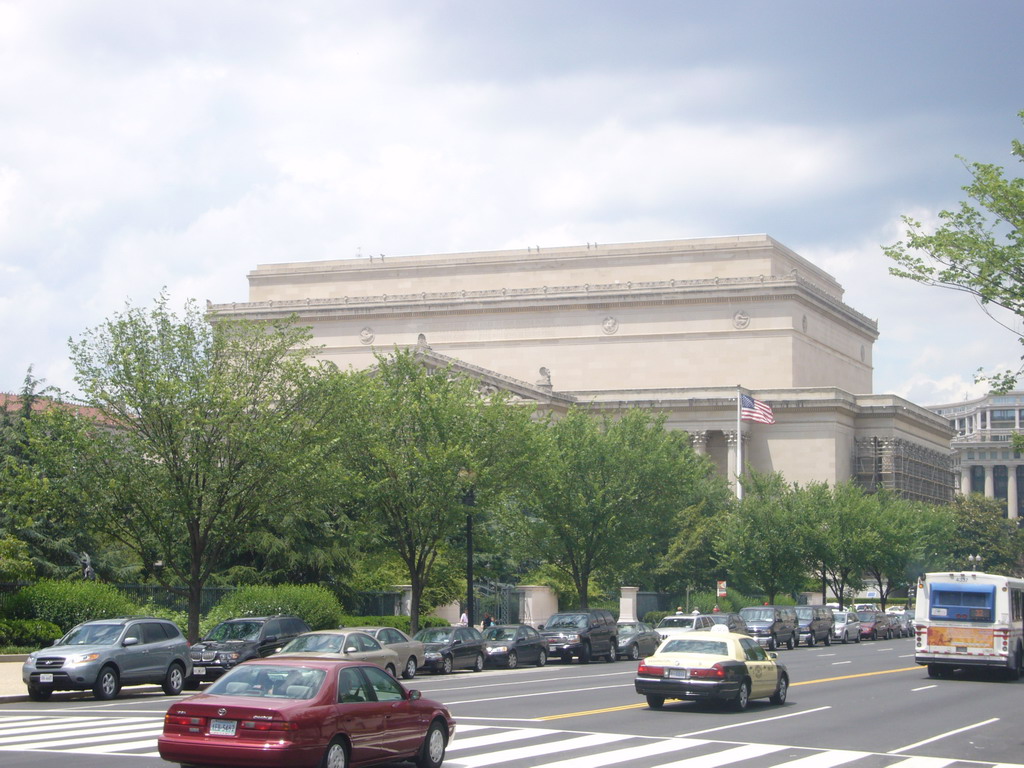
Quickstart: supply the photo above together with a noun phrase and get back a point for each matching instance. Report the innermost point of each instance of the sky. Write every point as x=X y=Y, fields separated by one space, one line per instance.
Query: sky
x=177 y=144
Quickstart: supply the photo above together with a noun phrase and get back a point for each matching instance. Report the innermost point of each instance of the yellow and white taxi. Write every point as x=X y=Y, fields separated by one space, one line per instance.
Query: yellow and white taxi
x=715 y=665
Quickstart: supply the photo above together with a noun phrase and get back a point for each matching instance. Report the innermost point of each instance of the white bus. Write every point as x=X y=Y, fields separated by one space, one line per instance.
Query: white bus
x=969 y=619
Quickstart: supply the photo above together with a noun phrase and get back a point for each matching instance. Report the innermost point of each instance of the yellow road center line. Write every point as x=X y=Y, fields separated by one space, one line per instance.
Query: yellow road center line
x=644 y=703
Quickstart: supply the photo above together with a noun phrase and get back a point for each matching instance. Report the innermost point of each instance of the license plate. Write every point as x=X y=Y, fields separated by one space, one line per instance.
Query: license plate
x=46 y=677
x=223 y=727
x=679 y=674
x=198 y=670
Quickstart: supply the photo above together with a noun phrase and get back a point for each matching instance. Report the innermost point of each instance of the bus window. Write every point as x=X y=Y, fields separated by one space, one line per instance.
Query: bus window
x=956 y=602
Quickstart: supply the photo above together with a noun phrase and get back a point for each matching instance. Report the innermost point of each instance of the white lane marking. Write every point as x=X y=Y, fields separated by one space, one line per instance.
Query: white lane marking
x=491 y=739
x=619 y=756
x=754 y=722
x=38 y=732
x=152 y=733
x=923 y=688
x=825 y=759
x=943 y=735
x=922 y=762
x=837 y=663
x=110 y=749
x=528 y=753
x=734 y=755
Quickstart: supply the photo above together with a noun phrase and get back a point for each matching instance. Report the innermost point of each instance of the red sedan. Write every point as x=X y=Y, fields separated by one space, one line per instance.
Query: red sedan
x=306 y=712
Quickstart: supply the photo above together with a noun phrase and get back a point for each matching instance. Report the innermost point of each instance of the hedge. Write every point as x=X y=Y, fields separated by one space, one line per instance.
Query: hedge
x=398 y=622
x=32 y=633
x=314 y=604
x=67 y=603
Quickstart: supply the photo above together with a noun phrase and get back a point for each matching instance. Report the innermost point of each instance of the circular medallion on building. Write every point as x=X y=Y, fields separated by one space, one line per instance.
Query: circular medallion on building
x=366 y=335
x=741 y=320
x=610 y=325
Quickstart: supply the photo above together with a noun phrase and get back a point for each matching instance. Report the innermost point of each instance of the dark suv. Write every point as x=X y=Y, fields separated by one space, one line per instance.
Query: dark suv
x=105 y=654
x=236 y=640
x=815 y=623
x=583 y=633
x=772 y=625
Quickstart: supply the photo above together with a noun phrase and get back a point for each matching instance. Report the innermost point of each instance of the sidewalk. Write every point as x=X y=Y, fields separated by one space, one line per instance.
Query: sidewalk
x=13 y=689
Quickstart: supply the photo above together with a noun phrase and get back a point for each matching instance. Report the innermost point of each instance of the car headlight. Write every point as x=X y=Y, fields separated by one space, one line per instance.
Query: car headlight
x=32 y=658
x=431 y=655
x=82 y=658
x=498 y=649
x=573 y=638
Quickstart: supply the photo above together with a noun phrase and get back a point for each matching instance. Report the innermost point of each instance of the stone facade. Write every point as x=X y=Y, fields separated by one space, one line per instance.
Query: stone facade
x=675 y=326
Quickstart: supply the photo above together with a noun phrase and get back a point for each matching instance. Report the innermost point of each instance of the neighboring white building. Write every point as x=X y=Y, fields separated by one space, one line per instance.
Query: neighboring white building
x=673 y=326
x=985 y=461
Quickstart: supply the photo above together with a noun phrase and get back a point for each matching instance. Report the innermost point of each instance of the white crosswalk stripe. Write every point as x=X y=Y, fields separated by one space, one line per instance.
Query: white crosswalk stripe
x=482 y=746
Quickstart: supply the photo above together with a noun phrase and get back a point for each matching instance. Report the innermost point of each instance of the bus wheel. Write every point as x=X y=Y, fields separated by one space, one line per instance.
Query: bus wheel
x=1014 y=673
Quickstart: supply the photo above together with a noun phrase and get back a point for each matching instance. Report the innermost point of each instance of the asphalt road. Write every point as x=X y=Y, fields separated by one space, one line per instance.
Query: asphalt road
x=864 y=706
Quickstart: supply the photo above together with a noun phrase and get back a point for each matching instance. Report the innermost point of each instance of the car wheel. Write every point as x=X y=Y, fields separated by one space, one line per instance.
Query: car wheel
x=846 y=638
x=446 y=665
x=857 y=638
x=174 y=682
x=779 y=697
x=513 y=660
x=655 y=702
x=431 y=754
x=39 y=694
x=634 y=652
x=410 y=668
x=478 y=665
x=107 y=684
x=585 y=654
x=790 y=643
x=742 y=697
x=773 y=643
x=613 y=649
x=810 y=640
x=390 y=669
x=336 y=755
x=828 y=638
x=542 y=658
x=874 y=635
x=1015 y=670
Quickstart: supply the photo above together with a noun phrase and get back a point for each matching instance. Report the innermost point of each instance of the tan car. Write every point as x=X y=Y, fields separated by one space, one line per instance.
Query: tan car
x=410 y=652
x=343 y=644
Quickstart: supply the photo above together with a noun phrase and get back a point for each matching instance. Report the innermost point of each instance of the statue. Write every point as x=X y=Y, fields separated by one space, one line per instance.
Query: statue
x=87 y=570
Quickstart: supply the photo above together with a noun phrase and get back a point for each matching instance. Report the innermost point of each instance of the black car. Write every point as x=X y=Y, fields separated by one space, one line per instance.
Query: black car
x=448 y=648
x=733 y=621
x=510 y=645
x=815 y=622
x=773 y=625
x=637 y=639
x=583 y=633
x=236 y=640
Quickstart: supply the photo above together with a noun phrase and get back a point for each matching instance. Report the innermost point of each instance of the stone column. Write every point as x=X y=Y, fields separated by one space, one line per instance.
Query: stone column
x=627 y=604
x=1011 y=491
x=990 y=482
x=731 y=468
x=699 y=441
x=965 y=480
x=536 y=604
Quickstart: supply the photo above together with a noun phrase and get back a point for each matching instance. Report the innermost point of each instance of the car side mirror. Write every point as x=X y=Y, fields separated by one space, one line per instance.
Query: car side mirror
x=457 y=642
x=772 y=655
x=130 y=641
x=351 y=649
x=271 y=639
x=540 y=626
x=415 y=695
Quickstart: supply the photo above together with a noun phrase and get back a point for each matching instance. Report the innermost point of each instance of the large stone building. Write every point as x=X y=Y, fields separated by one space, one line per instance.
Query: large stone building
x=675 y=326
x=985 y=461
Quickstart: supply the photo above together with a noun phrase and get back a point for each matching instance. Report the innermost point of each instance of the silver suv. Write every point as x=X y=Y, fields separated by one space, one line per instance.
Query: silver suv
x=104 y=654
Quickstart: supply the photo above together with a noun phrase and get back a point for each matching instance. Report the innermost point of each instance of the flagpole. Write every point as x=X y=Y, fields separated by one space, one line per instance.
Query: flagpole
x=739 y=447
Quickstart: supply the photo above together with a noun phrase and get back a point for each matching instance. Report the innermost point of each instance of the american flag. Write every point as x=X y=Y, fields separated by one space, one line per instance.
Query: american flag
x=755 y=410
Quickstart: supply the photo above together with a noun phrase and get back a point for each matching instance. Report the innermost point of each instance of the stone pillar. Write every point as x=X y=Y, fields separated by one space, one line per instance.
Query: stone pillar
x=536 y=604
x=627 y=604
x=699 y=441
x=1011 y=491
x=405 y=602
x=965 y=480
x=990 y=482
x=731 y=468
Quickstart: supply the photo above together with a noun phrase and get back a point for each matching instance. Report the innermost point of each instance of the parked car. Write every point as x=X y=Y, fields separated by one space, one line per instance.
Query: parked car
x=847 y=626
x=681 y=623
x=814 y=623
x=448 y=648
x=106 y=654
x=716 y=665
x=510 y=645
x=410 y=652
x=303 y=712
x=348 y=644
x=733 y=621
x=585 y=634
x=773 y=625
x=637 y=639
x=874 y=625
x=903 y=622
x=236 y=640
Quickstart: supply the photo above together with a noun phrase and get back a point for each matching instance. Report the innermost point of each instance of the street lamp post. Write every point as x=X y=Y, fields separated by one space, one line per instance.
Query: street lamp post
x=469 y=500
x=975 y=561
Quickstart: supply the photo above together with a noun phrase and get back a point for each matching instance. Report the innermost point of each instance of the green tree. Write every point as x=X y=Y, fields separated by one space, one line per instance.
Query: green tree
x=838 y=534
x=610 y=491
x=982 y=529
x=415 y=443
x=764 y=541
x=977 y=249
x=204 y=434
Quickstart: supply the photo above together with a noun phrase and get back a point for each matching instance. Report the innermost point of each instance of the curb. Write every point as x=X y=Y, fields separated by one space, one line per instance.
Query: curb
x=8 y=698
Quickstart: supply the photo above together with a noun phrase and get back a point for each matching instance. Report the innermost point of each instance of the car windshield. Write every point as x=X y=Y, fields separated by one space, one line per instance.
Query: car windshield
x=316 y=642
x=434 y=635
x=500 y=633
x=758 y=614
x=235 y=630
x=265 y=681
x=804 y=612
x=685 y=645
x=627 y=629
x=840 y=616
x=93 y=634
x=677 y=621
x=720 y=618
x=866 y=615
x=567 y=621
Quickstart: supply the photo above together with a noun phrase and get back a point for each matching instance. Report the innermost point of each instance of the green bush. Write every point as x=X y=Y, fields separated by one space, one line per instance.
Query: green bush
x=398 y=622
x=314 y=604
x=33 y=633
x=67 y=603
